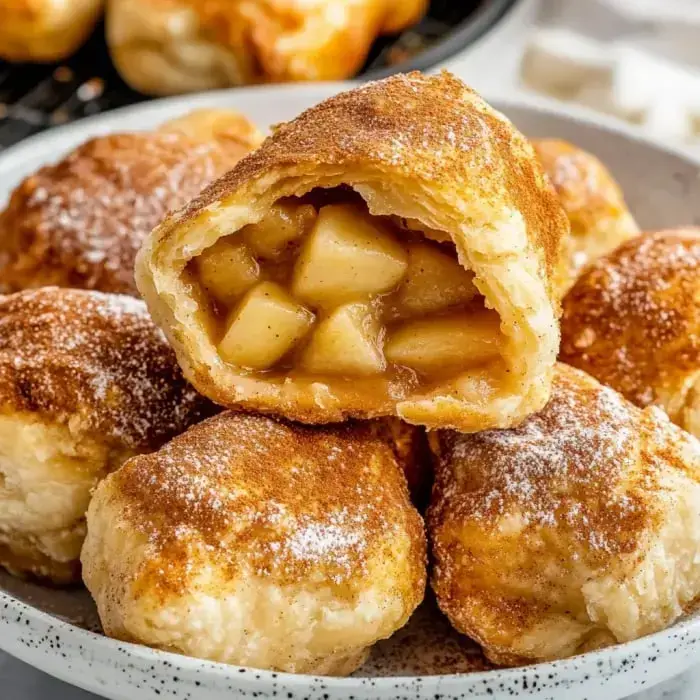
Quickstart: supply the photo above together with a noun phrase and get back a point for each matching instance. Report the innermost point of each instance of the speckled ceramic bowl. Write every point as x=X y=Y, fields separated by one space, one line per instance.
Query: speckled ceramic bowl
x=58 y=632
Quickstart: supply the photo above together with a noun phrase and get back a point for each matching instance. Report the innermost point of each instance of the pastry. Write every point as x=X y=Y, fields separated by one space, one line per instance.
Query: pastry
x=162 y=48
x=86 y=380
x=574 y=531
x=257 y=542
x=633 y=322
x=593 y=201
x=389 y=252
x=80 y=222
x=45 y=30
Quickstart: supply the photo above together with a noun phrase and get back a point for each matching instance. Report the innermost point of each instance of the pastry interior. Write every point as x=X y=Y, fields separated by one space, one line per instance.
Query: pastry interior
x=319 y=290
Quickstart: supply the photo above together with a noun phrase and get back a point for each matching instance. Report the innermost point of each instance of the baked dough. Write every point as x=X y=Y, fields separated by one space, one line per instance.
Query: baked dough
x=163 y=48
x=389 y=252
x=574 y=531
x=633 y=322
x=600 y=220
x=45 y=30
x=260 y=543
x=80 y=222
x=86 y=380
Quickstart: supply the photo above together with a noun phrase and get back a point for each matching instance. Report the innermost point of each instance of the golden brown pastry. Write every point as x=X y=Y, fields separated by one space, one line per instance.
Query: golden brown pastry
x=576 y=530
x=45 y=30
x=80 y=222
x=257 y=542
x=593 y=201
x=163 y=47
x=389 y=252
x=633 y=322
x=86 y=380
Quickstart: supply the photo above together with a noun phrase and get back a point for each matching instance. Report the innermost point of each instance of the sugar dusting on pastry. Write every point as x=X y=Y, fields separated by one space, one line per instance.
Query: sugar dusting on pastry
x=559 y=444
x=633 y=319
x=95 y=360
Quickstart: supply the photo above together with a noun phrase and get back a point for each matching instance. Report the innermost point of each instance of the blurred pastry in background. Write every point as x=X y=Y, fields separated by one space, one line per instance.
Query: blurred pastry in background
x=86 y=381
x=574 y=531
x=163 y=48
x=593 y=201
x=257 y=542
x=79 y=223
x=633 y=321
x=45 y=30
x=366 y=261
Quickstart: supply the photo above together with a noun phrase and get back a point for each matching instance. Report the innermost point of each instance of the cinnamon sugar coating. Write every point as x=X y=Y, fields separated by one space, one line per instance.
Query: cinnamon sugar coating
x=633 y=322
x=576 y=530
x=94 y=361
x=80 y=222
x=275 y=525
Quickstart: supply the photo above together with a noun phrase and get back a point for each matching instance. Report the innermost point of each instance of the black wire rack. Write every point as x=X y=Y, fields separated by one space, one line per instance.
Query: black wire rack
x=36 y=97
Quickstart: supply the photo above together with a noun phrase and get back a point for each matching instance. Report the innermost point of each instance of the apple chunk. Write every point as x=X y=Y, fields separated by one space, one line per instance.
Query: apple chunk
x=284 y=225
x=446 y=343
x=348 y=256
x=434 y=282
x=347 y=342
x=227 y=270
x=267 y=324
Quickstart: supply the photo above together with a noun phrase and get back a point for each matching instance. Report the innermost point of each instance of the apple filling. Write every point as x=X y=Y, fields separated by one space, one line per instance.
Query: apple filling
x=329 y=292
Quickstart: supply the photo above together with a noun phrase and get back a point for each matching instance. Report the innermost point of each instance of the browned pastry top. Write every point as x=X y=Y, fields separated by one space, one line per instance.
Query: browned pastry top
x=557 y=469
x=287 y=498
x=96 y=362
x=633 y=319
x=80 y=222
x=420 y=127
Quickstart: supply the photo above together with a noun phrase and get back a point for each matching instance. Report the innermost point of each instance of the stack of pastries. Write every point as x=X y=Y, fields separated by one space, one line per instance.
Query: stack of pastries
x=367 y=302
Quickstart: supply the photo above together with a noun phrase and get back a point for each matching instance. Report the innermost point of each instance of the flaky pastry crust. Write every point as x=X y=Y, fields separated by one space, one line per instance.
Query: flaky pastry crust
x=86 y=380
x=633 y=322
x=422 y=148
x=164 y=47
x=593 y=201
x=260 y=543
x=574 y=531
x=80 y=222
x=46 y=30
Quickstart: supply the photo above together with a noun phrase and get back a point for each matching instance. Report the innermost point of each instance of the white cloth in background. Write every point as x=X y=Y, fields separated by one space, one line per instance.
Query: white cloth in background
x=636 y=59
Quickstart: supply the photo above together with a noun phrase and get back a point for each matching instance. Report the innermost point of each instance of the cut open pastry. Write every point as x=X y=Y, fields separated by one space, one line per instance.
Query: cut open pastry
x=593 y=201
x=256 y=542
x=79 y=222
x=632 y=321
x=376 y=256
x=576 y=530
x=86 y=380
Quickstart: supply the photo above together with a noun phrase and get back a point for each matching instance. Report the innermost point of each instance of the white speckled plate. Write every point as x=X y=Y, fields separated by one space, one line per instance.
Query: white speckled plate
x=57 y=631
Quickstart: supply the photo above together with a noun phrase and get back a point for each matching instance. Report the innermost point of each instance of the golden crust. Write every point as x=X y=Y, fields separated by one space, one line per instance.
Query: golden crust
x=633 y=322
x=80 y=222
x=422 y=148
x=573 y=531
x=289 y=510
x=95 y=362
x=593 y=201
x=172 y=46
x=45 y=30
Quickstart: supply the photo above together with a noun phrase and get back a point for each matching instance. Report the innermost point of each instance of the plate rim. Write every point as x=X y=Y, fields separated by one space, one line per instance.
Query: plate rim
x=108 y=122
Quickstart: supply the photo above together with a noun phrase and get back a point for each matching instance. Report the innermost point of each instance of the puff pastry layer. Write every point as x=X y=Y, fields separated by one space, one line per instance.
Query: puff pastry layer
x=46 y=30
x=86 y=380
x=633 y=322
x=259 y=543
x=164 y=47
x=574 y=531
x=389 y=252
x=593 y=201
x=80 y=222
